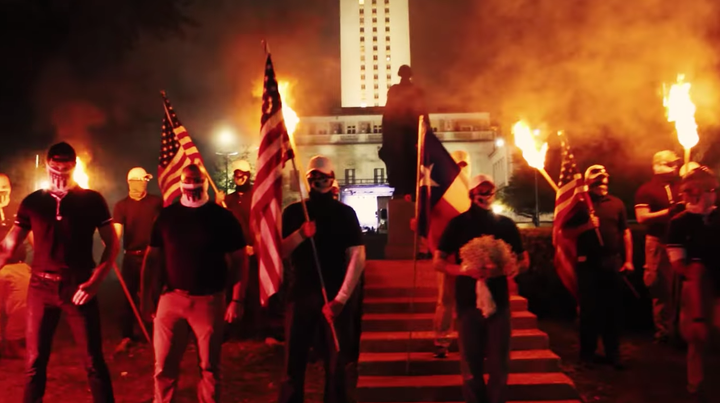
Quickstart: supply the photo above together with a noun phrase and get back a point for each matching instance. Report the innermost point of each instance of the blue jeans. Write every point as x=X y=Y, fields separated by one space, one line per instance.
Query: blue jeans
x=47 y=300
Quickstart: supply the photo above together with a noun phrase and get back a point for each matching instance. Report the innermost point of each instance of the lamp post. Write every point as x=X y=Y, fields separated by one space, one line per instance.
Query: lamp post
x=536 y=218
x=226 y=142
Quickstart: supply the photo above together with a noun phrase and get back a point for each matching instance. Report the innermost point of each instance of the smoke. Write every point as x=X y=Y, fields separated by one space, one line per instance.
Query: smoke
x=594 y=69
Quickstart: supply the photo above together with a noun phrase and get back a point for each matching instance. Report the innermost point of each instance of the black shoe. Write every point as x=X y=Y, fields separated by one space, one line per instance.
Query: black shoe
x=440 y=352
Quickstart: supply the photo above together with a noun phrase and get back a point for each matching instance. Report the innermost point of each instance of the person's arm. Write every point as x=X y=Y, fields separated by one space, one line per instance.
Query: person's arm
x=13 y=239
x=290 y=243
x=644 y=216
x=356 y=266
x=627 y=239
x=87 y=290
x=442 y=265
x=239 y=265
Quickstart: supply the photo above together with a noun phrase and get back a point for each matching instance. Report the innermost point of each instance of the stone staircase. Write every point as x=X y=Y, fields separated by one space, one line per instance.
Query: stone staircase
x=535 y=370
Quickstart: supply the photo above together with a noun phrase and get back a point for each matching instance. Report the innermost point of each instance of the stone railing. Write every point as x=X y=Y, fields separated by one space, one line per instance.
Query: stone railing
x=376 y=138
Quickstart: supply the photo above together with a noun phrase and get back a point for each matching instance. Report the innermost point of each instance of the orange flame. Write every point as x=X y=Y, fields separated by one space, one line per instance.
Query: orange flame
x=291 y=118
x=80 y=175
x=527 y=141
x=681 y=111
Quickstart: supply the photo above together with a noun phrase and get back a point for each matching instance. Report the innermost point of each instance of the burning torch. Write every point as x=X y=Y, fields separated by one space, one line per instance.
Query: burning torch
x=681 y=111
x=526 y=140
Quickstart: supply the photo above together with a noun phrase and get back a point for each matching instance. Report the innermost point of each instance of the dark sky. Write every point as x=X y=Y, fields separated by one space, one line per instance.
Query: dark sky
x=594 y=69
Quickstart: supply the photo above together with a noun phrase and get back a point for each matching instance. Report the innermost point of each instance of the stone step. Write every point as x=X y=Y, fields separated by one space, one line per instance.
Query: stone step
x=397 y=342
x=443 y=388
x=386 y=364
x=522 y=401
x=398 y=322
x=420 y=304
x=384 y=291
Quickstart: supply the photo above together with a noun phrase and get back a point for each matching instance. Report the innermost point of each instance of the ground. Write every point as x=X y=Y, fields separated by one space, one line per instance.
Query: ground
x=252 y=369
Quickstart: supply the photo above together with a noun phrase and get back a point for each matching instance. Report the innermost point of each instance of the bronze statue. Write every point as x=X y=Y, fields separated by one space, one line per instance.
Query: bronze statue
x=405 y=104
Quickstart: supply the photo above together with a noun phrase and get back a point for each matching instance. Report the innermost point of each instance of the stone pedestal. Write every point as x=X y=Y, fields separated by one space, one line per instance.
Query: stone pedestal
x=400 y=236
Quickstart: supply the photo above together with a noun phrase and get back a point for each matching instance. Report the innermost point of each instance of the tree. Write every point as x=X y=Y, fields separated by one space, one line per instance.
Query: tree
x=223 y=181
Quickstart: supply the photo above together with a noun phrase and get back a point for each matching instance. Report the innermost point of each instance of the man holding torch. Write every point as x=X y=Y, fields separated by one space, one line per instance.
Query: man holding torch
x=337 y=238
x=600 y=265
x=656 y=202
x=133 y=219
x=64 y=278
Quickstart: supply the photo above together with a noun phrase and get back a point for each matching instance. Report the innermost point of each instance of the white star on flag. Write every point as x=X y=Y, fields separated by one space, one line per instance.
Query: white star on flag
x=426 y=176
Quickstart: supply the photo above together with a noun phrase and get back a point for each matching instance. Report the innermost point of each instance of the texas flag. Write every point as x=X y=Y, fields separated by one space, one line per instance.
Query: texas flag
x=443 y=190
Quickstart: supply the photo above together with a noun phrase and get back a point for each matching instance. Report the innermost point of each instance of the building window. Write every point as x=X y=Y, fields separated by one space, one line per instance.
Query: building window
x=377 y=128
x=387 y=48
x=362 y=11
x=388 y=67
x=379 y=175
x=389 y=85
x=375 y=58
x=350 y=176
x=374 y=1
x=374 y=10
x=362 y=67
x=387 y=20
x=389 y=77
x=374 y=38
x=362 y=20
x=362 y=87
x=387 y=39
x=375 y=67
x=374 y=29
x=376 y=77
x=362 y=76
x=362 y=39
x=377 y=96
x=362 y=58
x=387 y=29
x=375 y=48
x=351 y=129
x=364 y=127
x=374 y=20
x=376 y=86
x=362 y=48
x=362 y=30
x=377 y=103
x=387 y=1
x=387 y=10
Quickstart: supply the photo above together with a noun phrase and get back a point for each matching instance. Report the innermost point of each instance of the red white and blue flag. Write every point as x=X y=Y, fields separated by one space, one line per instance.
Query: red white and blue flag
x=443 y=191
x=177 y=151
x=265 y=210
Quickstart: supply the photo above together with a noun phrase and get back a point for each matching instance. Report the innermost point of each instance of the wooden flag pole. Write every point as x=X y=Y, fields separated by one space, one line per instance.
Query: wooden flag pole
x=132 y=303
x=207 y=174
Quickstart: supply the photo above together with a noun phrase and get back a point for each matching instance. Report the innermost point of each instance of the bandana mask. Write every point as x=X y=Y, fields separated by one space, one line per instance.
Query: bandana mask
x=320 y=182
x=5 y=190
x=242 y=181
x=137 y=189
x=194 y=192
x=483 y=196
x=60 y=176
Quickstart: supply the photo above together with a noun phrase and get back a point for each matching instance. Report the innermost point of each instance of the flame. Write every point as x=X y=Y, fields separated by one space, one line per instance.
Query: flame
x=527 y=141
x=681 y=111
x=80 y=175
x=291 y=118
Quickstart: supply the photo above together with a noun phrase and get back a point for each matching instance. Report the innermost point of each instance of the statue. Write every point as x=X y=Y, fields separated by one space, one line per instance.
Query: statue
x=405 y=104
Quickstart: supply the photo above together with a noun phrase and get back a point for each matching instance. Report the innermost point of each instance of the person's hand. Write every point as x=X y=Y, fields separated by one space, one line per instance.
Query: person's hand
x=234 y=311
x=332 y=309
x=220 y=197
x=676 y=209
x=249 y=250
x=308 y=229
x=595 y=221
x=85 y=292
x=627 y=266
x=413 y=224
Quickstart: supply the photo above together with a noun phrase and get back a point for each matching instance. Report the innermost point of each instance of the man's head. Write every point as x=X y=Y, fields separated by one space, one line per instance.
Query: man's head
x=597 y=179
x=138 y=179
x=688 y=167
x=194 y=186
x=405 y=72
x=699 y=190
x=462 y=159
x=482 y=191
x=60 y=165
x=320 y=174
x=241 y=172
x=665 y=162
x=5 y=189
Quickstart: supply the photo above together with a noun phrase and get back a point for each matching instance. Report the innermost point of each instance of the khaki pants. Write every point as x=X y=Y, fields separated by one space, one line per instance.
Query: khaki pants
x=14 y=282
x=442 y=324
x=661 y=281
x=698 y=351
x=177 y=314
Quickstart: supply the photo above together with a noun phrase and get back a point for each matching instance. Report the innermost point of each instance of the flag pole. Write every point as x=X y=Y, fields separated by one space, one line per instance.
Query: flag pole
x=315 y=253
x=207 y=174
x=132 y=303
x=416 y=235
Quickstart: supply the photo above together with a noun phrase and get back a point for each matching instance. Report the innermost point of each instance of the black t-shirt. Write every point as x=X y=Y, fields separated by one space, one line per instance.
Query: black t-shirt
x=462 y=229
x=657 y=195
x=613 y=223
x=195 y=242
x=700 y=238
x=239 y=204
x=137 y=218
x=337 y=229
x=66 y=244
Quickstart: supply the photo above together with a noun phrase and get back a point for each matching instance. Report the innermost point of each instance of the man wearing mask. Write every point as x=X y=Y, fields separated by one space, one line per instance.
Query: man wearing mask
x=338 y=238
x=599 y=267
x=656 y=202
x=483 y=340
x=693 y=243
x=134 y=215
x=190 y=247
x=64 y=219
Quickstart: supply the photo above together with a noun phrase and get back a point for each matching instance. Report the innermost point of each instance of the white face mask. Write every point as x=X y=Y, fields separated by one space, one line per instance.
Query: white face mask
x=60 y=177
x=194 y=194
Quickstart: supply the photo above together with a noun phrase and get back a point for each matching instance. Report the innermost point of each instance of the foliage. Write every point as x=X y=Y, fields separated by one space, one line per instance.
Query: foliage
x=220 y=169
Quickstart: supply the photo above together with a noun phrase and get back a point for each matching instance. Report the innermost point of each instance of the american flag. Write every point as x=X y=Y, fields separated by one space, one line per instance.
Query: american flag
x=176 y=152
x=265 y=214
x=572 y=188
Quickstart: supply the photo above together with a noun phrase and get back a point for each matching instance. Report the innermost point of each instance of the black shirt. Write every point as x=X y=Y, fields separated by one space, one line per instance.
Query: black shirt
x=239 y=204
x=613 y=222
x=65 y=244
x=462 y=229
x=137 y=218
x=700 y=238
x=337 y=229
x=657 y=195
x=195 y=242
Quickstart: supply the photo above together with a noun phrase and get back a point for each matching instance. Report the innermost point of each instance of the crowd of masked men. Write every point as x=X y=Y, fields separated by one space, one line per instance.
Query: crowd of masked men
x=191 y=268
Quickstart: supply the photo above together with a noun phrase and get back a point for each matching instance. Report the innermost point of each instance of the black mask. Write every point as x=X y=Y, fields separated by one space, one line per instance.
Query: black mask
x=319 y=197
x=244 y=188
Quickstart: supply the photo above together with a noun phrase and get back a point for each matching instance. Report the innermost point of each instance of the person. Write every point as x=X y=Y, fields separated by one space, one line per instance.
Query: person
x=656 y=202
x=693 y=242
x=134 y=215
x=405 y=104
x=599 y=267
x=483 y=340
x=335 y=189
x=63 y=219
x=442 y=322
x=338 y=240
x=190 y=245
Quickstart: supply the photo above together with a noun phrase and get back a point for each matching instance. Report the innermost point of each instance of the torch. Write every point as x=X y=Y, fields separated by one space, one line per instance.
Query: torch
x=681 y=111
x=526 y=141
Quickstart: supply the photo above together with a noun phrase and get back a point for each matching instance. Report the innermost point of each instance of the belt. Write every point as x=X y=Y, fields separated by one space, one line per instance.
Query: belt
x=48 y=276
x=135 y=252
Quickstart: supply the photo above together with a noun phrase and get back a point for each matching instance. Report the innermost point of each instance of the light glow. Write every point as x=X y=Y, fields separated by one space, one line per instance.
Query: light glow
x=681 y=111
x=528 y=142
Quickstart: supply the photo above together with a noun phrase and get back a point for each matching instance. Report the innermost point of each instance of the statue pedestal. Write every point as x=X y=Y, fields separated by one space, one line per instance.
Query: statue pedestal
x=400 y=236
